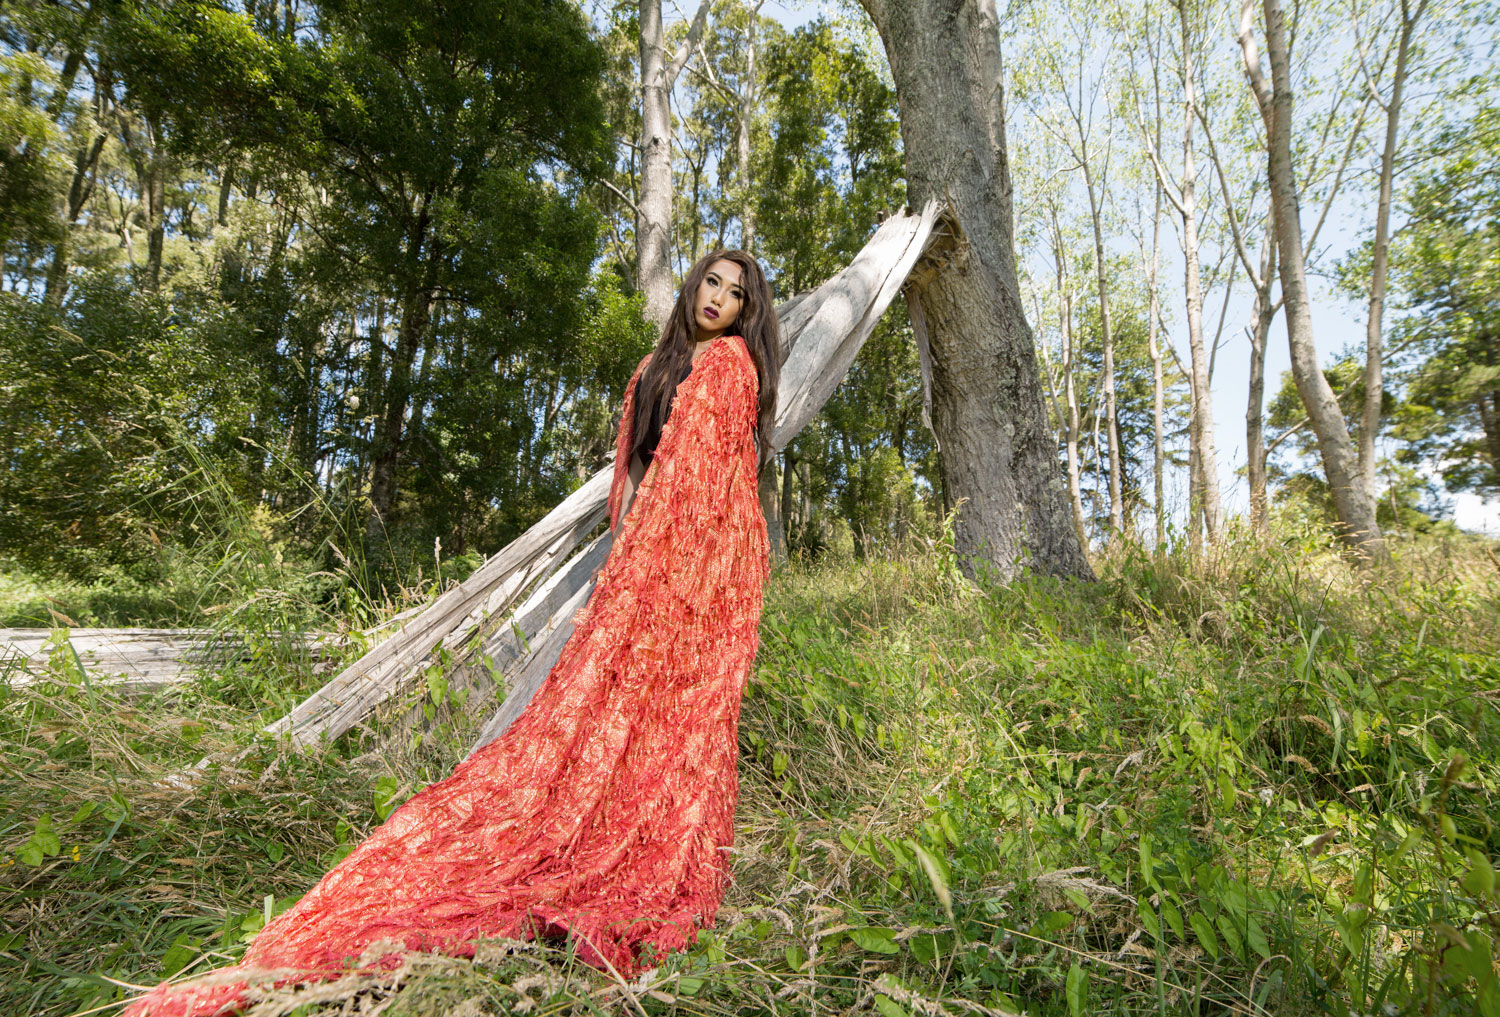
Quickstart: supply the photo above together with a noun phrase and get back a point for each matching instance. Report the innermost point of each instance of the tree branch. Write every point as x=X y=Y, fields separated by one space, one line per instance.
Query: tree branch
x=680 y=58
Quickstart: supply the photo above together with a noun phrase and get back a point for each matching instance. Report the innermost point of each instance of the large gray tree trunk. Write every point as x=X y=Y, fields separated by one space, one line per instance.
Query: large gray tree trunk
x=653 y=224
x=997 y=450
x=1354 y=507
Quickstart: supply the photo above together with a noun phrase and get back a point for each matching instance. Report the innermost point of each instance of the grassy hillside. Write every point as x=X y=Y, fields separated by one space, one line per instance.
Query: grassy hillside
x=1248 y=785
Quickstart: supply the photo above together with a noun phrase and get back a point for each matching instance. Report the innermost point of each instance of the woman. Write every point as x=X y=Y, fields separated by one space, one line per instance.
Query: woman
x=605 y=812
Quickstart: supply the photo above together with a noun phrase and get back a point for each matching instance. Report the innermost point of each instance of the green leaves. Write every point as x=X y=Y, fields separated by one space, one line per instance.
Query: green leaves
x=1077 y=989
x=43 y=843
x=874 y=939
x=384 y=797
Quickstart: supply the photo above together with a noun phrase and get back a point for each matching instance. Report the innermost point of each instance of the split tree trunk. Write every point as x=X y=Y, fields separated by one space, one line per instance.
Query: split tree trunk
x=997 y=450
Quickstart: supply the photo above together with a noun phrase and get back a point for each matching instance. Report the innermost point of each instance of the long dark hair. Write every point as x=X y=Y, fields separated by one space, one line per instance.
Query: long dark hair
x=673 y=357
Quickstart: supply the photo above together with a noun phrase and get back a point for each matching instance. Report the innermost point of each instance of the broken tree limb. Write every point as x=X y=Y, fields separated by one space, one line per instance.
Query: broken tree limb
x=821 y=332
x=382 y=672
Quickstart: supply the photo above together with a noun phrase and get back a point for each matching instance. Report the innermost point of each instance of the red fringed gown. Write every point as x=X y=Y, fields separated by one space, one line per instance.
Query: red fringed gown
x=606 y=810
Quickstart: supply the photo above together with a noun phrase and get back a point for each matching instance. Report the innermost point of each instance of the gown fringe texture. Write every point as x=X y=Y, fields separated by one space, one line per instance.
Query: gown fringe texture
x=605 y=813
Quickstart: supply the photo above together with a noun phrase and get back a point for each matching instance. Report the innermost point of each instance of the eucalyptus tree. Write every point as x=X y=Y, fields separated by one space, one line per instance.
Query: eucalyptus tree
x=1205 y=511
x=988 y=415
x=1353 y=504
x=1236 y=168
x=1066 y=85
x=442 y=138
x=653 y=241
x=729 y=64
x=1388 y=90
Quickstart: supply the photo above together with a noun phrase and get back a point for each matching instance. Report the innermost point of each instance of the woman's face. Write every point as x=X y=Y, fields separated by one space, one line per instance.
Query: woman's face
x=716 y=305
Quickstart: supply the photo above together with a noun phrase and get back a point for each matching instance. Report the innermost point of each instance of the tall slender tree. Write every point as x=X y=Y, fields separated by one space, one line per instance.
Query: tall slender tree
x=1353 y=504
x=653 y=227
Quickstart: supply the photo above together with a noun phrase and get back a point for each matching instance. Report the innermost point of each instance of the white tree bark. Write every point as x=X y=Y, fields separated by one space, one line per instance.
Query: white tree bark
x=653 y=223
x=1206 y=504
x=1355 y=509
x=1369 y=421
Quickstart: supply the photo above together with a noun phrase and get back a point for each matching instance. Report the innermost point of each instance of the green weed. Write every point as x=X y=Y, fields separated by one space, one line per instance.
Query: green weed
x=1252 y=783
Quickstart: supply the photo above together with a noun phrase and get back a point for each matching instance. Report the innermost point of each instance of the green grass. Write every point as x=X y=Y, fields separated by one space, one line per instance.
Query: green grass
x=1256 y=783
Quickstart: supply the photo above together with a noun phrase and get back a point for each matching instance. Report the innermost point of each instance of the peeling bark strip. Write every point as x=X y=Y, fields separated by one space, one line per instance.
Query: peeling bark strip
x=997 y=449
x=821 y=333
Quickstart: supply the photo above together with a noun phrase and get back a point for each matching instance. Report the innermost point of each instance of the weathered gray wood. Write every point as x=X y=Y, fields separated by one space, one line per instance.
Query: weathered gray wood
x=382 y=672
x=833 y=322
x=510 y=640
x=537 y=666
x=139 y=660
x=821 y=331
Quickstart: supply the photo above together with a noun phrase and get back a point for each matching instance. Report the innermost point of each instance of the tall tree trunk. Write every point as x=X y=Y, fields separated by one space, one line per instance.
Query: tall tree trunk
x=1158 y=385
x=653 y=226
x=1255 y=437
x=390 y=427
x=770 y=507
x=416 y=316
x=1206 y=503
x=1489 y=421
x=788 y=471
x=1070 y=420
x=1265 y=312
x=804 y=495
x=1369 y=420
x=1355 y=509
x=226 y=189
x=1111 y=414
x=84 y=161
x=748 y=95
x=997 y=449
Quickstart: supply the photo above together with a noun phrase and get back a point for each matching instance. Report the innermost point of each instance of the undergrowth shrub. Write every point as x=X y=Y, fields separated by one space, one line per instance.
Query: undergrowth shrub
x=1256 y=782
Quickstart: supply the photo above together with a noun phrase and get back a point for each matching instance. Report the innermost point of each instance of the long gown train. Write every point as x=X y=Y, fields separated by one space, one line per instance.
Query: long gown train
x=606 y=811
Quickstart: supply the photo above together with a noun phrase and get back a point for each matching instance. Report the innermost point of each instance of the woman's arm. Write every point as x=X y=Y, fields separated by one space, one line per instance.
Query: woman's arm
x=632 y=481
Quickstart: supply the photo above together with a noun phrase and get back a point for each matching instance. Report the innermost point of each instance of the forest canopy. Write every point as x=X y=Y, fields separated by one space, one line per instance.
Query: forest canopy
x=361 y=275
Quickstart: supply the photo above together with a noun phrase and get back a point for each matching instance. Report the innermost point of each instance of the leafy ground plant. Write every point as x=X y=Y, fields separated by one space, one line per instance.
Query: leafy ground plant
x=1253 y=783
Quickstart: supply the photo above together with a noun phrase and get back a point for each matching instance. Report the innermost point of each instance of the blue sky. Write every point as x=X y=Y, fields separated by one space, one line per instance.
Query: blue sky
x=1339 y=323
